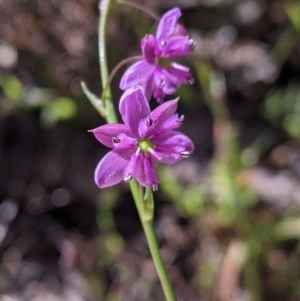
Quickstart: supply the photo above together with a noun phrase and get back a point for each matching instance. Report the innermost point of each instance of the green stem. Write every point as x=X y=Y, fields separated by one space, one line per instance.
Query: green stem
x=158 y=261
x=111 y=116
x=145 y=207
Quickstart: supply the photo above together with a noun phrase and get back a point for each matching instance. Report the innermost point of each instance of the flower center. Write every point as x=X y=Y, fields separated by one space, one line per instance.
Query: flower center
x=163 y=62
x=145 y=145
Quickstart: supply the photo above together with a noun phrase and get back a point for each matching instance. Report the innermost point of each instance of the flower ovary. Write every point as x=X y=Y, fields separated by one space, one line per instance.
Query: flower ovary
x=163 y=62
x=145 y=145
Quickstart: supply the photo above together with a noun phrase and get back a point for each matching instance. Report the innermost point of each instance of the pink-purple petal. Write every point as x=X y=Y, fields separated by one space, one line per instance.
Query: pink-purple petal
x=145 y=129
x=158 y=93
x=164 y=111
x=106 y=132
x=110 y=170
x=160 y=119
x=180 y=30
x=167 y=25
x=165 y=83
x=134 y=107
x=148 y=85
x=125 y=143
x=148 y=48
x=160 y=80
x=178 y=46
x=172 y=123
x=143 y=170
x=173 y=78
x=169 y=146
x=137 y=74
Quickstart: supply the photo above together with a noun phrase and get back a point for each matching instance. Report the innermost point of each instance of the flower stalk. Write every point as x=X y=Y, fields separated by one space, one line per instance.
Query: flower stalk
x=145 y=207
x=111 y=116
x=144 y=204
x=140 y=7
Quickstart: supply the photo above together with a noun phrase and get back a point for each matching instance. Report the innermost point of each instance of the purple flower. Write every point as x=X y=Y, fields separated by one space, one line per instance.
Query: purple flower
x=144 y=138
x=157 y=73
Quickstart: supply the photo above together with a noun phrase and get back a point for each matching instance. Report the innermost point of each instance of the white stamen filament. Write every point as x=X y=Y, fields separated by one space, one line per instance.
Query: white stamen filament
x=154 y=154
x=185 y=154
x=192 y=44
x=154 y=187
x=115 y=140
x=191 y=81
x=180 y=119
x=149 y=122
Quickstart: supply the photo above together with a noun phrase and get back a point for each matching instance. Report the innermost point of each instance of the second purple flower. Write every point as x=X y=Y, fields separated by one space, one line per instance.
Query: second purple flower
x=157 y=73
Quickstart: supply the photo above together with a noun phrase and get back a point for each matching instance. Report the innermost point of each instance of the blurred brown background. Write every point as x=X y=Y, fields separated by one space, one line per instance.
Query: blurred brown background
x=227 y=219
